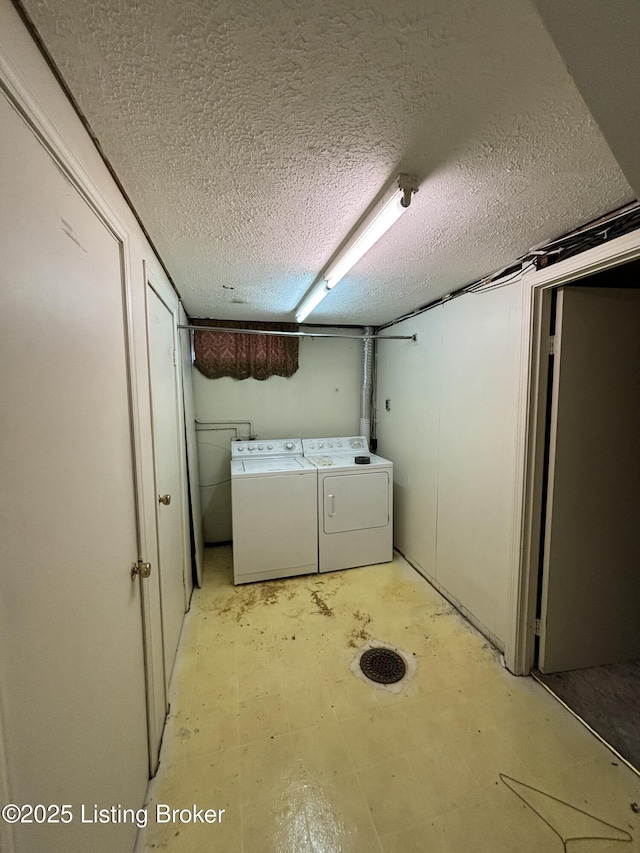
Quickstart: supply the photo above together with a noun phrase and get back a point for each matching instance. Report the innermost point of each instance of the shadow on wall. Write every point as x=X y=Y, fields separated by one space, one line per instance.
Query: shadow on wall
x=214 y=457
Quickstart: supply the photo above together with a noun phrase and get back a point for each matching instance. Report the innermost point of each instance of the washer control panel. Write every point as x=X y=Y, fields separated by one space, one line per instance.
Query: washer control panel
x=344 y=444
x=241 y=448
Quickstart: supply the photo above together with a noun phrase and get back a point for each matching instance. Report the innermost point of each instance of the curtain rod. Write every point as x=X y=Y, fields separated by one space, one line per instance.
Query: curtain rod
x=301 y=334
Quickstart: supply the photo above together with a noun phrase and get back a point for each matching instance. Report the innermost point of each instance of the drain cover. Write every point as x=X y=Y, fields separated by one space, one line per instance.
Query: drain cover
x=383 y=665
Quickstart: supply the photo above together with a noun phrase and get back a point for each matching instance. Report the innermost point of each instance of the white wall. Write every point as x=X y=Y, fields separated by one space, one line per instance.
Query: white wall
x=54 y=563
x=321 y=398
x=451 y=433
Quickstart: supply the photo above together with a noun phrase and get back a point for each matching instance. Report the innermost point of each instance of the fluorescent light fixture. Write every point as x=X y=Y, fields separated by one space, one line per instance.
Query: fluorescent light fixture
x=390 y=206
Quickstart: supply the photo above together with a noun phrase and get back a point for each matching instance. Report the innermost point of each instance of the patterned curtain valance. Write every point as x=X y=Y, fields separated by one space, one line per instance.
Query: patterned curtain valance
x=241 y=356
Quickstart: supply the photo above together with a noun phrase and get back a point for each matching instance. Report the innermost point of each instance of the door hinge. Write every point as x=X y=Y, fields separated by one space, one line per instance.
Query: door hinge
x=551 y=345
x=175 y=359
x=141 y=569
x=537 y=628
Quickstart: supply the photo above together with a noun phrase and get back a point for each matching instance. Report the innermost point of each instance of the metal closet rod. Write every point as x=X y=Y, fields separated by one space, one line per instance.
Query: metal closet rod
x=301 y=334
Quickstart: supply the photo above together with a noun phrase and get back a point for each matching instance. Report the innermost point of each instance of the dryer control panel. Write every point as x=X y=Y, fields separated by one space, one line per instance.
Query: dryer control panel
x=342 y=444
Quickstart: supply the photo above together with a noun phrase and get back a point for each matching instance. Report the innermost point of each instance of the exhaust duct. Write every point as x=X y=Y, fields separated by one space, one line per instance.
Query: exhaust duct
x=367 y=384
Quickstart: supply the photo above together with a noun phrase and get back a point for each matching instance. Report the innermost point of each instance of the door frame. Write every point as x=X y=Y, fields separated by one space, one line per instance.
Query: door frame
x=170 y=301
x=530 y=439
x=24 y=101
x=195 y=509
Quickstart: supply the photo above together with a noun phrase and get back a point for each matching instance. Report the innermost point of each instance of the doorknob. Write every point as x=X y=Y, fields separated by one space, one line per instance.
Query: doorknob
x=140 y=569
x=164 y=499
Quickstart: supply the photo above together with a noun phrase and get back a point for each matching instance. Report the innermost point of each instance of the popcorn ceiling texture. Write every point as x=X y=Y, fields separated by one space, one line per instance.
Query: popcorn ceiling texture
x=252 y=136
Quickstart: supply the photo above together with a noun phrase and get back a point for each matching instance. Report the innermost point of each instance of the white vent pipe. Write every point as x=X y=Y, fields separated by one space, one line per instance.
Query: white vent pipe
x=367 y=384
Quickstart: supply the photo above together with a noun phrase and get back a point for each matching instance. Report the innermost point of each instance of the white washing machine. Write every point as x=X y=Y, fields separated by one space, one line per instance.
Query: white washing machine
x=274 y=510
x=355 y=502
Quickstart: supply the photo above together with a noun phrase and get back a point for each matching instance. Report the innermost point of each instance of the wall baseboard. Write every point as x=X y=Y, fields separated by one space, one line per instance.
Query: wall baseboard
x=462 y=610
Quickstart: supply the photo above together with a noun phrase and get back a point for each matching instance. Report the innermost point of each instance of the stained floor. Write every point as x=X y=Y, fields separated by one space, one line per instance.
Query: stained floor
x=271 y=721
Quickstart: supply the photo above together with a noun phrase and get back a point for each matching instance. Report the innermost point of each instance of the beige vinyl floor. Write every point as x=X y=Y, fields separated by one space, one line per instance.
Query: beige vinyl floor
x=270 y=722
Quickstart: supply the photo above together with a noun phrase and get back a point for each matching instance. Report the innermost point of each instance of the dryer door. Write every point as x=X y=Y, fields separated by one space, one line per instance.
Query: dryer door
x=356 y=501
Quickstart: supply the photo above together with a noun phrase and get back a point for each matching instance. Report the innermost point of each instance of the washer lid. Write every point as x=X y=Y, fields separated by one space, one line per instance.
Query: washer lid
x=270 y=466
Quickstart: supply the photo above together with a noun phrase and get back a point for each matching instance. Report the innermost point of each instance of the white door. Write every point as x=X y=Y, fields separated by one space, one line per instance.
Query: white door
x=591 y=571
x=71 y=640
x=166 y=407
x=356 y=501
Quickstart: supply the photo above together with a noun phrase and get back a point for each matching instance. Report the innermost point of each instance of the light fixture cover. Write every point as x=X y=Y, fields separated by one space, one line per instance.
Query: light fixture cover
x=389 y=207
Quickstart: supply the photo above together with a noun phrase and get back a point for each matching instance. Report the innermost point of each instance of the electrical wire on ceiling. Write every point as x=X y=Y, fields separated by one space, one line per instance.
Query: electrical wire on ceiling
x=482 y=287
x=589 y=236
x=593 y=234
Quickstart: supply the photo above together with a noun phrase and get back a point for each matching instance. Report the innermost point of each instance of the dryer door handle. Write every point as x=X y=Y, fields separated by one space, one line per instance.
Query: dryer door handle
x=331 y=505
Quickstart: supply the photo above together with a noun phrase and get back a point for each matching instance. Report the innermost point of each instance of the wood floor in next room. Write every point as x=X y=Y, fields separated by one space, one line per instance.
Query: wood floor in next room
x=607 y=698
x=270 y=723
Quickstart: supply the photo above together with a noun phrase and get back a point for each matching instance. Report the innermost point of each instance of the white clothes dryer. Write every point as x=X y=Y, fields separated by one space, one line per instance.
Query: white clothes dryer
x=274 y=510
x=355 y=502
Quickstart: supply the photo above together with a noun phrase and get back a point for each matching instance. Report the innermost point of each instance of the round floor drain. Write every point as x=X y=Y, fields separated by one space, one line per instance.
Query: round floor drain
x=383 y=665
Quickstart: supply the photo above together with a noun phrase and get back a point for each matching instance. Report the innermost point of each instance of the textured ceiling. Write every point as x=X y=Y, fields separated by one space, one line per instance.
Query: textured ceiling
x=251 y=136
x=598 y=43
